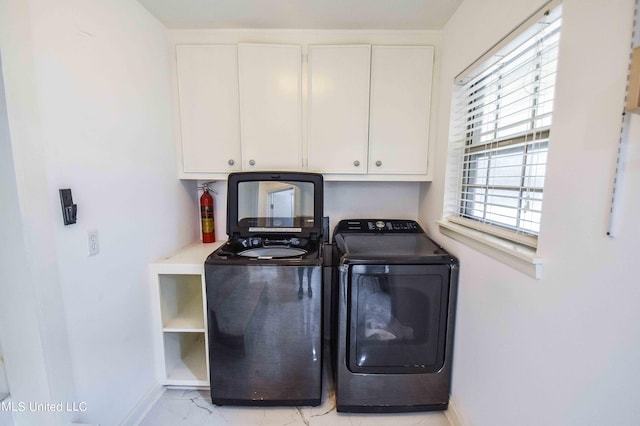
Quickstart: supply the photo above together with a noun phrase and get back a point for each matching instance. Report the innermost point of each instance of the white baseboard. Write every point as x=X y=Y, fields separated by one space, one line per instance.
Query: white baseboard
x=143 y=406
x=452 y=415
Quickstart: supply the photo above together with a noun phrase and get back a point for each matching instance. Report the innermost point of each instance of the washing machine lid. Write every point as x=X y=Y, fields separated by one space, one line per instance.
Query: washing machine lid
x=393 y=240
x=389 y=245
x=275 y=204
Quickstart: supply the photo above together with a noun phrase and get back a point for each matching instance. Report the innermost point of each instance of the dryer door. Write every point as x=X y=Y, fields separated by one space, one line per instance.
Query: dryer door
x=397 y=318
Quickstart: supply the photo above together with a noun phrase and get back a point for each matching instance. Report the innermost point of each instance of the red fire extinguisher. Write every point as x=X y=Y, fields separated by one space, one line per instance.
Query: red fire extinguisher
x=206 y=216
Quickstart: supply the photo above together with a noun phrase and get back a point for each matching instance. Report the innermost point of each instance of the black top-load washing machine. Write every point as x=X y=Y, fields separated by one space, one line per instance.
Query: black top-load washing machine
x=264 y=292
x=394 y=295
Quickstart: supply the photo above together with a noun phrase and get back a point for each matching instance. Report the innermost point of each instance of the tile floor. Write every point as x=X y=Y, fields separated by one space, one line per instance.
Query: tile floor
x=180 y=407
x=193 y=407
x=184 y=407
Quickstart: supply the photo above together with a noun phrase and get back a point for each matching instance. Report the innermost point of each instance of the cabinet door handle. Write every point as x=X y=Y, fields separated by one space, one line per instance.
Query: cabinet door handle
x=378 y=163
x=252 y=162
x=231 y=162
x=356 y=163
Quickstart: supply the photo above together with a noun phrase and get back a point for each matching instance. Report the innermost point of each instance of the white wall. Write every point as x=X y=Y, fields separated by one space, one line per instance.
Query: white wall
x=32 y=323
x=100 y=110
x=4 y=385
x=345 y=200
x=562 y=350
x=371 y=200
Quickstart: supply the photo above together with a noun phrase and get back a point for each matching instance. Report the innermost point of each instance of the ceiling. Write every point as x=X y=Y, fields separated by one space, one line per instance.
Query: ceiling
x=303 y=14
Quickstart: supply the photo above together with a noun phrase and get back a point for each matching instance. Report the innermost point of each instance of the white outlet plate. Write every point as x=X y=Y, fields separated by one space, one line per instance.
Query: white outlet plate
x=94 y=243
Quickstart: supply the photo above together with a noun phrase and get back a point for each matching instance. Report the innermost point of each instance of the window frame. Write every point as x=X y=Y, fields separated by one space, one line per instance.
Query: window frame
x=518 y=242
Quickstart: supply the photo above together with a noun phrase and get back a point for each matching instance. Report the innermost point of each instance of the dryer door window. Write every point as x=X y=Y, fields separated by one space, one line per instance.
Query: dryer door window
x=397 y=318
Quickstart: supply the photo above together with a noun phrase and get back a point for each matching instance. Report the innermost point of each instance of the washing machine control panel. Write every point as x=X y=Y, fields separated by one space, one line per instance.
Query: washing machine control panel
x=397 y=226
x=252 y=242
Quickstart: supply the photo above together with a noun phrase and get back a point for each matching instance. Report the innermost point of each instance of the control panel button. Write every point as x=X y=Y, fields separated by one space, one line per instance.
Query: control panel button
x=379 y=225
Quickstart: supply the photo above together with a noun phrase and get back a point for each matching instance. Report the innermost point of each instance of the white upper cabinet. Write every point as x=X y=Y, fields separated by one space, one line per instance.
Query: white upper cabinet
x=365 y=114
x=368 y=109
x=271 y=106
x=399 y=109
x=338 y=108
x=207 y=77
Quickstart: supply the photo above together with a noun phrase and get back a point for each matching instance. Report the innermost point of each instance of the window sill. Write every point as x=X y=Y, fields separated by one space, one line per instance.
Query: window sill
x=517 y=256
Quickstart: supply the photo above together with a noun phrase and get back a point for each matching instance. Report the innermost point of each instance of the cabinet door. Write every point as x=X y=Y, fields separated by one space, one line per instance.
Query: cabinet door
x=271 y=106
x=338 y=108
x=400 y=107
x=208 y=102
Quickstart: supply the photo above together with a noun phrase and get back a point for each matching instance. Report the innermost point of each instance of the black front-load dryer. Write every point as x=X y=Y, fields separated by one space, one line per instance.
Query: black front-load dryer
x=393 y=308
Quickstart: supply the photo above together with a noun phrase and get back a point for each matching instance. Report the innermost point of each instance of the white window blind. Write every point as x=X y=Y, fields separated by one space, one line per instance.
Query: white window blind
x=501 y=124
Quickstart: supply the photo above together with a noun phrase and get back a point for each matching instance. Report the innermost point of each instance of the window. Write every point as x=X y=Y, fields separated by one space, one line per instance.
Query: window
x=501 y=120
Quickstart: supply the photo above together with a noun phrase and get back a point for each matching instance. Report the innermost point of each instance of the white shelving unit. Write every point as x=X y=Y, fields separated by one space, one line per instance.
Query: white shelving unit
x=181 y=303
x=185 y=358
x=179 y=292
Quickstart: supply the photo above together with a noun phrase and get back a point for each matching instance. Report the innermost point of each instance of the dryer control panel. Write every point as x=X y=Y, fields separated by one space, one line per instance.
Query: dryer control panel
x=395 y=226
